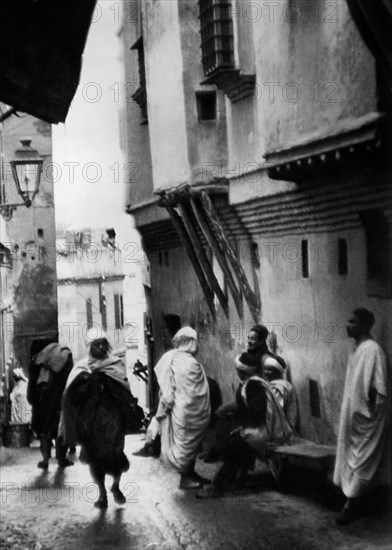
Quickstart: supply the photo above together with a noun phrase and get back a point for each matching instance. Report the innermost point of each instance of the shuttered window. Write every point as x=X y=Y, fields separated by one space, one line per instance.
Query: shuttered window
x=118 y=311
x=216 y=29
x=89 y=312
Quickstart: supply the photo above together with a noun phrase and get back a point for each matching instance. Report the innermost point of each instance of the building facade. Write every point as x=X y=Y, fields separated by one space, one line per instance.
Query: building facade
x=28 y=260
x=99 y=290
x=90 y=289
x=259 y=134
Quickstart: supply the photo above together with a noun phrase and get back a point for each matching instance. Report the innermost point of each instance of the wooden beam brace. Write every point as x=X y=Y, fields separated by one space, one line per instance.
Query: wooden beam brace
x=178 y=225
x=216 y=249
x=202 y=257
x=250 y=297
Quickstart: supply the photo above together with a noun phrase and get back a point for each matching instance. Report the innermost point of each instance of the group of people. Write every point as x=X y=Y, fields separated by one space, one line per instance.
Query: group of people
x=88 y=404
x=264 y=411
x=264 y=414
x=95 y=412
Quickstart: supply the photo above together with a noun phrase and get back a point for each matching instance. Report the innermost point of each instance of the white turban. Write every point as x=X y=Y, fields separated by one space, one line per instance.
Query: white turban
x=19 y=374
x=273 y=364
x=186 y=332
x=186 y=340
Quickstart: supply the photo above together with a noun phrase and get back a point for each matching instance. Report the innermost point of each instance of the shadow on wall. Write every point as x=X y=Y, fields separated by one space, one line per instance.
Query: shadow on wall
x=35 y=309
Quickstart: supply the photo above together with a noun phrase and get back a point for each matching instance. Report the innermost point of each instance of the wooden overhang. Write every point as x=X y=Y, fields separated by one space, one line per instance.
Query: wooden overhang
x=199 y=227
x=348 y=145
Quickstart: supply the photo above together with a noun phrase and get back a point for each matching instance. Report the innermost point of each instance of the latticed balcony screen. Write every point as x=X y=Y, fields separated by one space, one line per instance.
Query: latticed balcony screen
x=216 y=29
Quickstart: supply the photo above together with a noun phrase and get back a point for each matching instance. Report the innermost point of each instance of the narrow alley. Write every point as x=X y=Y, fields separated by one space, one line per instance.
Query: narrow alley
x=54 y=511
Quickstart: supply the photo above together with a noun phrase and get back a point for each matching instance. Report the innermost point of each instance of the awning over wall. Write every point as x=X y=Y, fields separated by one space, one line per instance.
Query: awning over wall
x=41 y=46
x=374 y=21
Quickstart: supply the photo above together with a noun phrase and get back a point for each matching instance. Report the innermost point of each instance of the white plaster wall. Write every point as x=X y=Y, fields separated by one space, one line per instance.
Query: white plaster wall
x=166 y=104
x=309 y=317
x=312 y=71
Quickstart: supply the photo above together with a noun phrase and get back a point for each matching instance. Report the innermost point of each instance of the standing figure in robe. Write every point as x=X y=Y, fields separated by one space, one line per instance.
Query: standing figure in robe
x=363 y=458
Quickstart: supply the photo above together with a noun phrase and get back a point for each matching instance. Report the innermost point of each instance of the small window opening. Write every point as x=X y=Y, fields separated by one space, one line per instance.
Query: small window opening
x=173 y=323
x=89 y=313
x=166 y=258
x=377 y=237
x=160 y=259
x=378 y=253
x=118 y=311
x=305 y=259
x=206 y=105
x=314 y=398
x=342 y=257
x=40 y=233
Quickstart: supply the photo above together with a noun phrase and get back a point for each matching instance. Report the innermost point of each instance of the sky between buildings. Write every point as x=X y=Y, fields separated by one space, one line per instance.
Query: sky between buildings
x=88 y=160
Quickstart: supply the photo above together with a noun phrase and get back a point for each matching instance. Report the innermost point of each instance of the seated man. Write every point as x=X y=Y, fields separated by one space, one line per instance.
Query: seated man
x=257 y=421
x=281 y=388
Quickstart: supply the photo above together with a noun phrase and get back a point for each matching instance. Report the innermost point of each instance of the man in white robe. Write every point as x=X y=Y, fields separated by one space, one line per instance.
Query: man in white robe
x=184 y=406
x=21 y=409
x=363 y=453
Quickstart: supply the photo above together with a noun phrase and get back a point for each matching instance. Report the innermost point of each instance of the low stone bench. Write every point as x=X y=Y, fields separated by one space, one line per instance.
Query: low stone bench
x=305 y=451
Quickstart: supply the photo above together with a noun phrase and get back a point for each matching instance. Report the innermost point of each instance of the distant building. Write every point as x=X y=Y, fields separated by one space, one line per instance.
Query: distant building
x=90 y=289
x=96 y=290
x=28 y=293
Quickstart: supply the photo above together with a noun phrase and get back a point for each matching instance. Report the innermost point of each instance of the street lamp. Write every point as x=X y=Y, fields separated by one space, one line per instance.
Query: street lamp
x=26 y=171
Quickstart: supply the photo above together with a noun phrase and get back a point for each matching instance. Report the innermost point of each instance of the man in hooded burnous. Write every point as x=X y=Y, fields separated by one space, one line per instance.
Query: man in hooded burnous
x=50 y=366
x=96 y=414
x=363 y=458
x=184 y=406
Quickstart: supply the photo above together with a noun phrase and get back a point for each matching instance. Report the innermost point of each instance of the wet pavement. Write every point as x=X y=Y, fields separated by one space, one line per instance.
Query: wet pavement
x=54 y=510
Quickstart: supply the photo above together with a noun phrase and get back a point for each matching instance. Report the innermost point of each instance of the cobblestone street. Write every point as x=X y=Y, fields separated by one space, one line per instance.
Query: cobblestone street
x=54 y=511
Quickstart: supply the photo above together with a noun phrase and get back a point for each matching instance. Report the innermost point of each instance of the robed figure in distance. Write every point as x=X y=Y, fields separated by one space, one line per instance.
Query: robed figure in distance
x=97 y=414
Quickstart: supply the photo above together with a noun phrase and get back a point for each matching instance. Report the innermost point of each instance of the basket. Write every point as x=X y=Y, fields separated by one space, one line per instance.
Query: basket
x=16 y=435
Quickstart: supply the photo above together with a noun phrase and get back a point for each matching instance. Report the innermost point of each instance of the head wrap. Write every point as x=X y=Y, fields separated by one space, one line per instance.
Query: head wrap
x=54 y=356
x=281 y=361
x=247 y=362
x=19 y=374
x=186 y=340
x=95 y=333
x=365 y=317
x=187 y=332
x=273 y=363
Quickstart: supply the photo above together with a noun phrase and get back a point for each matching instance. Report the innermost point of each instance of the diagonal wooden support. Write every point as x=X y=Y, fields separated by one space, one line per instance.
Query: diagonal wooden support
x=250 y=297
x=179 y=227
x=203 y=259
x=216 y=249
